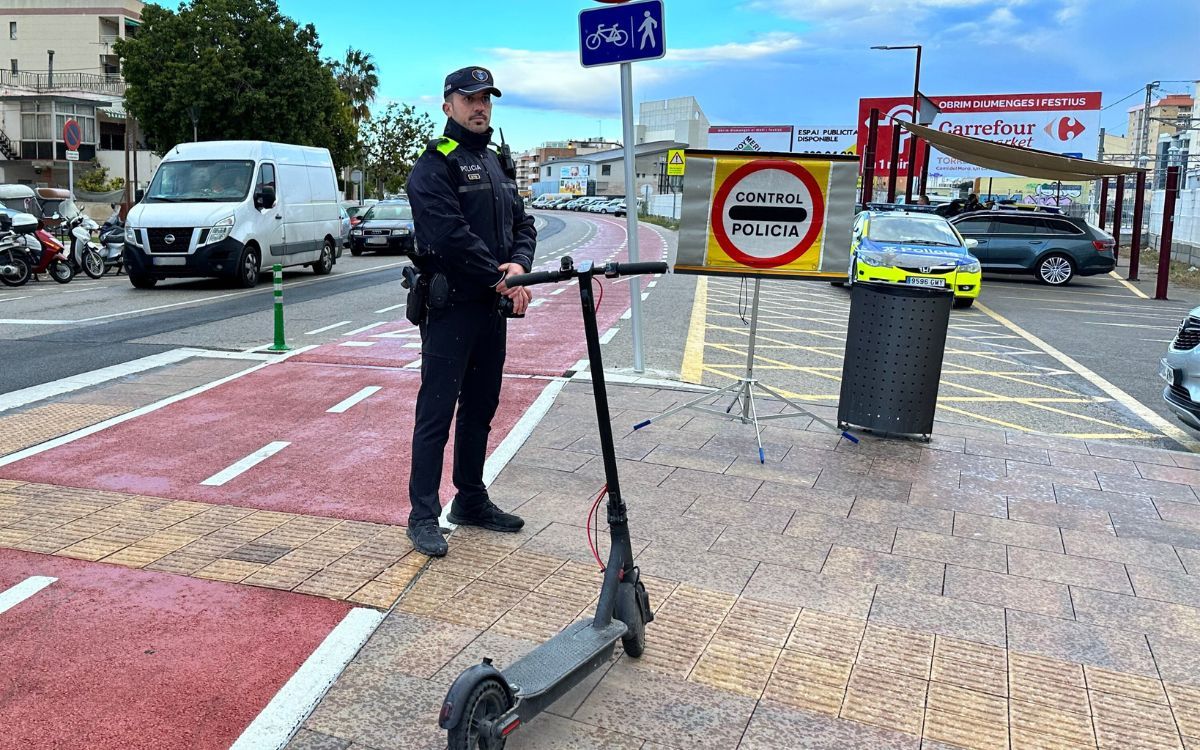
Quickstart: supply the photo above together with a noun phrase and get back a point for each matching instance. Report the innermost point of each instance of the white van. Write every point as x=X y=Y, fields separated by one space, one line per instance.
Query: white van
x=233 y=209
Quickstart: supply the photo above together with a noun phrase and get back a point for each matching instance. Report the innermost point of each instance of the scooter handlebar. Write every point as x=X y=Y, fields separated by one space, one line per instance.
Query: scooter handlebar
x=537 y=277
x=631 y=269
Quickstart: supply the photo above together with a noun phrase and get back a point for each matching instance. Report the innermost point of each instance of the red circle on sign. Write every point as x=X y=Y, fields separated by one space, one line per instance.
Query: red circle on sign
x=72 y=134
x=718 y=213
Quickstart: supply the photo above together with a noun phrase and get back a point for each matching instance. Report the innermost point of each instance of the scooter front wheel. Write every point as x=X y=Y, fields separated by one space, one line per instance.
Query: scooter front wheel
x=93 y=264
x=486 y=702
x=61 y=271
x=630 y=613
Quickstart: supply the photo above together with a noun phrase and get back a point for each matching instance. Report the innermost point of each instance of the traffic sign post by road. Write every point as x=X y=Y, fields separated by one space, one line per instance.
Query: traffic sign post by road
x=622 y=34
x=772 y=215
x=72 y=139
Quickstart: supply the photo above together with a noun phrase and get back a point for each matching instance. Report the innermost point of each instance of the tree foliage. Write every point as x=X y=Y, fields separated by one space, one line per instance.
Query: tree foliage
x=95 y=180
x=357 y=77
x=393 y=141
x=250 y=72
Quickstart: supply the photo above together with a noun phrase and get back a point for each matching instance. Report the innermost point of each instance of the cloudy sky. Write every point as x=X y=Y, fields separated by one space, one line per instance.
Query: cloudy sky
x=757 y=62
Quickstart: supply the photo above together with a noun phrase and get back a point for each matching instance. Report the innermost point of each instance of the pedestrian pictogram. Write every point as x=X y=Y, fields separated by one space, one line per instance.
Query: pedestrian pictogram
x=621 y=33
x=676 y=162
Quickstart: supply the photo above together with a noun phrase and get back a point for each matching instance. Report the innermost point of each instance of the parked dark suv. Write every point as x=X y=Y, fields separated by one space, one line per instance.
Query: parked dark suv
x=1052 y=247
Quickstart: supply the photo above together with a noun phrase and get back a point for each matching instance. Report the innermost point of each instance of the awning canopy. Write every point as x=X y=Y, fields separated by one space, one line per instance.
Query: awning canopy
x=1017 y=160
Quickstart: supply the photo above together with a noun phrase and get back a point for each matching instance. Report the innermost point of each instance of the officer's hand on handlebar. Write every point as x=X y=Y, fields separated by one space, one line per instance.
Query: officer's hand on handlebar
x=519 y=295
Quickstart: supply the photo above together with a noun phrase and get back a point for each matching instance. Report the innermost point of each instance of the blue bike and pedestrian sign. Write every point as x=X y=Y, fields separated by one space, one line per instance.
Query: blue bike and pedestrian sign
x=622 y=33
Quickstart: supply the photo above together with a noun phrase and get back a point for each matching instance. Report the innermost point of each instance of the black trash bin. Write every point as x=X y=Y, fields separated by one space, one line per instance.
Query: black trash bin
x=894 y=348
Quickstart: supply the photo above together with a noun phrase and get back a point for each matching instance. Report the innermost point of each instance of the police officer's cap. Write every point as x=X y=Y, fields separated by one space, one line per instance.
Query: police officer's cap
x=470 y=80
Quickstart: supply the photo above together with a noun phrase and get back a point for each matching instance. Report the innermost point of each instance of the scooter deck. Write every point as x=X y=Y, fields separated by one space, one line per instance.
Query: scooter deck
x=574 y=647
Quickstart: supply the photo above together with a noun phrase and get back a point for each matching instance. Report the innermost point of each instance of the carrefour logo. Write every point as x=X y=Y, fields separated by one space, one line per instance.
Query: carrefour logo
x=1065 y=128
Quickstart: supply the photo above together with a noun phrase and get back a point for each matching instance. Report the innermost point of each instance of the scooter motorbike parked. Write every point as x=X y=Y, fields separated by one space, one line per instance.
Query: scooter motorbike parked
x=47 y=255
x=86 y=254
x=112 y=242
x=15 y=266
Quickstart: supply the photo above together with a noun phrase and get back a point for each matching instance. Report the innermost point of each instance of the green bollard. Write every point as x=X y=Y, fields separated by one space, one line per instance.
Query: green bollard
x=280 y=344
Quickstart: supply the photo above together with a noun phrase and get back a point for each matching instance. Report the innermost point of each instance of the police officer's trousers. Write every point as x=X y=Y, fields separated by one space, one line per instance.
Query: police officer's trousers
x=462 y=362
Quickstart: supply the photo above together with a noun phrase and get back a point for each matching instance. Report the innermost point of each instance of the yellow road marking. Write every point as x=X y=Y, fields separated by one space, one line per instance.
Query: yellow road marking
x=692 y=370
x=1127 y=285
x=1129 y=402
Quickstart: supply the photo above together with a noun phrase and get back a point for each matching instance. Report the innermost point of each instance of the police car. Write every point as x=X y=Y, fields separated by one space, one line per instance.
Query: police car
x=913 y=248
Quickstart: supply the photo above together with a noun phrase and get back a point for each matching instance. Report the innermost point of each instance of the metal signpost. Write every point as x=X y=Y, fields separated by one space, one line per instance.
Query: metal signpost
x=72 y=138
x=623 y=34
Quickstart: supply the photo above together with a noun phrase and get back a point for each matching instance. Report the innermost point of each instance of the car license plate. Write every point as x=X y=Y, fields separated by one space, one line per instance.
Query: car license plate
x=1168 y=373
x=923 y=281
x=170 y=261
x=377 y=240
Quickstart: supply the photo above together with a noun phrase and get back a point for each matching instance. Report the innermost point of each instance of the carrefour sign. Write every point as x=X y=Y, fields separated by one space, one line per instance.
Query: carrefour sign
x=1056 y=122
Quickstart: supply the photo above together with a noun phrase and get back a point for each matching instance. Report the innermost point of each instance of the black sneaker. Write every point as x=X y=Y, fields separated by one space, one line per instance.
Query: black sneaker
x=485 y=515
x=427 y=539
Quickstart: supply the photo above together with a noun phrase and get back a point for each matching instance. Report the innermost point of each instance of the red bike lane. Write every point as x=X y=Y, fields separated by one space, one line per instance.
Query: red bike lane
x=108 y=657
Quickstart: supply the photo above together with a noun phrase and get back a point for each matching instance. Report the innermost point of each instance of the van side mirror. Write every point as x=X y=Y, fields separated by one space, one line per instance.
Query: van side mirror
x=264 y=197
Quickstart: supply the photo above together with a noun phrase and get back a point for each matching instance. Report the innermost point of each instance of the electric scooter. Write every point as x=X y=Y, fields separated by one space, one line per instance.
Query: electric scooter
x=485 y=705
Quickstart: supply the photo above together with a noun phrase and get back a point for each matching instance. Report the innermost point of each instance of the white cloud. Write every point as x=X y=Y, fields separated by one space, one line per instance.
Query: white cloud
x=555 y=80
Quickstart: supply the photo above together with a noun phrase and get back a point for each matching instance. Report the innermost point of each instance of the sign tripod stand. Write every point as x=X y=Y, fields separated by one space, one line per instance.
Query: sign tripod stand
x=742 y=392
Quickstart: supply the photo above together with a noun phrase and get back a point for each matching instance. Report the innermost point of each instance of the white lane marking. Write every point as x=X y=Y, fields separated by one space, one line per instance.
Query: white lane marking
x=30 y=322
x=645 y=295
x=558 y=291
x=22 y=591
x=608 y=335
x=1123 y=398
x=414 y=365
x=365 y=328
x=1127 y=285
x=144 y=410
x=401 y=334
x=345 y=404
x=242 y=466
x=538 y=302
x=573 y=282
x=412 y=345
x=358 y=343
x=652 y=284
x=95 y=377
x=328 y=328
x=1129 y=325
x=515 y=438
x=14 y=299
x=627 y=314
x=389 y=309
x=290 y=707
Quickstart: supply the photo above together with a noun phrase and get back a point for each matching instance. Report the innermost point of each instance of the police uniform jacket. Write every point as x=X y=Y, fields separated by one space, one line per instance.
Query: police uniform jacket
x=467 y=215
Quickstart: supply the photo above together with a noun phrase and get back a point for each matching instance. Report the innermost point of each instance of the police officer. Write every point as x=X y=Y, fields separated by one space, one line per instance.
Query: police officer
x=472 y=233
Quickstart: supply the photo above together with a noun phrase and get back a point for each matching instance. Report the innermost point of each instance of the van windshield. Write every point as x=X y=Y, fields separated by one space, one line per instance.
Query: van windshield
x=200 y=182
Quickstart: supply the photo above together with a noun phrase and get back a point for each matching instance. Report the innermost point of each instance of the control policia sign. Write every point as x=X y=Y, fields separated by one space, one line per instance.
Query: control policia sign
x=773 y=215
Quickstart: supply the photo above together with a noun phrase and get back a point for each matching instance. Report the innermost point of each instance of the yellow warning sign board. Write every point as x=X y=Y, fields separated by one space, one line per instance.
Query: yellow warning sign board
x=676 y=162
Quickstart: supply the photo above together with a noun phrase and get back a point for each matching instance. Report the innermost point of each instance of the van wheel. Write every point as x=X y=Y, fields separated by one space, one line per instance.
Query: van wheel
x=324 y=264
x=142 y=281
x=247 y=275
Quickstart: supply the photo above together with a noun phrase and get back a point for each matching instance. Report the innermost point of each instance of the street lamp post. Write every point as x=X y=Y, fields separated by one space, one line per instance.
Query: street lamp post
x=912 y=138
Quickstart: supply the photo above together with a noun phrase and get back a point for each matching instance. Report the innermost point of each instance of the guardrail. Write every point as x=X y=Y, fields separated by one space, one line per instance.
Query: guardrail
x=90 y=82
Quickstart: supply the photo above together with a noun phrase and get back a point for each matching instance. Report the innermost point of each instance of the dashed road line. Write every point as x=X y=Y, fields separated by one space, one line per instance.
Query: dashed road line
x=330 y=327
x=11 y=597
x=241 y=466
x=346 y=403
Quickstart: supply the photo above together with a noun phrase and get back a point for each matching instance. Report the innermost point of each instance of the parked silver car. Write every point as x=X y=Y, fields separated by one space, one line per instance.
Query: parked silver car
x=1181 y=369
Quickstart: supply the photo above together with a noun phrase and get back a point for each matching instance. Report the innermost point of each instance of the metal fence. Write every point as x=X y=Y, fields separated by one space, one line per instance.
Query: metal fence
x=91 y=82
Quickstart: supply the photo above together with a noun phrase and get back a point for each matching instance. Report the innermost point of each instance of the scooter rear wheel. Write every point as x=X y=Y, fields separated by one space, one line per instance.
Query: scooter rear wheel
x=487 y=702
x=628 y=612
x=19 y=273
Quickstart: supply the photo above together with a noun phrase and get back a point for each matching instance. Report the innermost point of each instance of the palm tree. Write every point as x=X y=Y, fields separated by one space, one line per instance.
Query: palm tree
x=358 y=78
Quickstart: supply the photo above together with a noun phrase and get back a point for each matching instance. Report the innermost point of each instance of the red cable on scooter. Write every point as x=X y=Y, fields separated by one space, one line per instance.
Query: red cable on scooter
x=591 y=514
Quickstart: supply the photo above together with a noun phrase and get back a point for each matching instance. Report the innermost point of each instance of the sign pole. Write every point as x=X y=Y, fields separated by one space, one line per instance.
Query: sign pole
x=71 y=178
x=631 y=212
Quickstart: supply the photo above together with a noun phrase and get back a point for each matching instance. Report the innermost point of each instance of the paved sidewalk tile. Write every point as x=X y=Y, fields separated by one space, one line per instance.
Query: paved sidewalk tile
x=951 y=549
x=1009 y=591
x=1069 y=569
x=914 y=574
x=983 y=623
x=1121 y=650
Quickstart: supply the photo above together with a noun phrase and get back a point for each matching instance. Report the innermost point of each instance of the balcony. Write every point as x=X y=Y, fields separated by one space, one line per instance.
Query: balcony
x=108 y=40
x=110 y=85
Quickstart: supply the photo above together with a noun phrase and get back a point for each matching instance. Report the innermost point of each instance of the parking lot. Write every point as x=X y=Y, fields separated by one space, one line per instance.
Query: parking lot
x=1079 y=361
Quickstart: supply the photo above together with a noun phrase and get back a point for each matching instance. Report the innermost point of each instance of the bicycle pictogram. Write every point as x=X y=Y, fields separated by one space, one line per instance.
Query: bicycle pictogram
x=608 y=34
